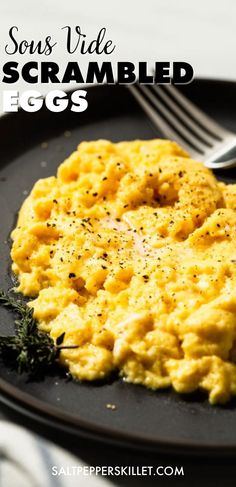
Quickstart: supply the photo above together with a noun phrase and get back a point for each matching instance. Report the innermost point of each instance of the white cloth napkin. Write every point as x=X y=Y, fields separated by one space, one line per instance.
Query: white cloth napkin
x=26 y=460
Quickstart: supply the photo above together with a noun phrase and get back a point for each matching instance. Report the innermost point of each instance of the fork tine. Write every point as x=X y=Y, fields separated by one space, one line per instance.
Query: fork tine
x=159 y=122
x=183 y=132
x=204 y=121
x=183 y=116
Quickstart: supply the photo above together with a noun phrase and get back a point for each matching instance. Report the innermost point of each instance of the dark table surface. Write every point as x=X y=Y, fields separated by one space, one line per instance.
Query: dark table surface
x=212 y=471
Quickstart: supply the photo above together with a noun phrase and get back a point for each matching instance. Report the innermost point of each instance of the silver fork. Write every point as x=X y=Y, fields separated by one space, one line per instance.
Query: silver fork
x=180 y=120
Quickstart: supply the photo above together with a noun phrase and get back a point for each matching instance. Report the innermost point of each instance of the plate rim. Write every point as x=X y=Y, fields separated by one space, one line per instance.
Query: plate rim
x=50 y=415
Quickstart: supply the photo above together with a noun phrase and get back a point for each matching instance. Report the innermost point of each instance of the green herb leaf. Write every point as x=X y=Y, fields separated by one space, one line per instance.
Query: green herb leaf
x=30 y=350
x=60 y=339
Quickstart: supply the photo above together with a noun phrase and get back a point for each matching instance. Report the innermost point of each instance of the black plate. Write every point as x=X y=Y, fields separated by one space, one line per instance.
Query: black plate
x=142 y=418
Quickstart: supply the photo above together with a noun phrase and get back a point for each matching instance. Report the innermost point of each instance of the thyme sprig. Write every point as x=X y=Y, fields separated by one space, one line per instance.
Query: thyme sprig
x=30 y=350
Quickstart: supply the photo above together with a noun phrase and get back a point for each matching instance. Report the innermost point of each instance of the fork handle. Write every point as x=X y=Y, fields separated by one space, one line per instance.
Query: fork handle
x=221 y=165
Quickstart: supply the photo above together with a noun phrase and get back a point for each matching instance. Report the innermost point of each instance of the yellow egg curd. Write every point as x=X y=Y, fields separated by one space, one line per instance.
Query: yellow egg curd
x=131 y=251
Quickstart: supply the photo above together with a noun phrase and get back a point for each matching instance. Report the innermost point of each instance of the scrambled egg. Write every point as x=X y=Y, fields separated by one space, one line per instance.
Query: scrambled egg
x=131 y=251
